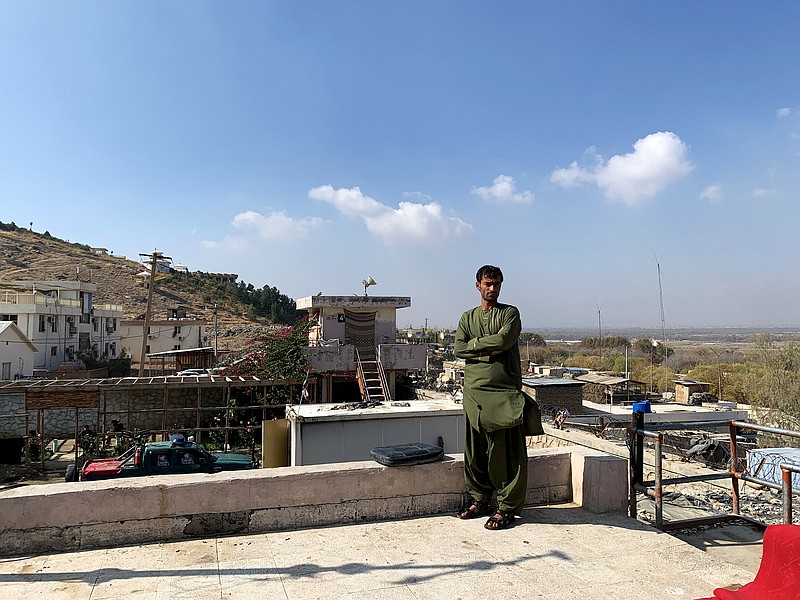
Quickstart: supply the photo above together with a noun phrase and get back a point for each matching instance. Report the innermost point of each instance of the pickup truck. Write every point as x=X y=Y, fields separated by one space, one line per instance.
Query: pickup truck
x=159 y=458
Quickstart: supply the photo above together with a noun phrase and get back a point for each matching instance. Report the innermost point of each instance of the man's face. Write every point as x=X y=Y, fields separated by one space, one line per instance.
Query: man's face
x=489 y=288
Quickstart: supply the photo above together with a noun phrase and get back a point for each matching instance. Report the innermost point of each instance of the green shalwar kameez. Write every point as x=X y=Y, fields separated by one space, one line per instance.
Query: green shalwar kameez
x=495 y=456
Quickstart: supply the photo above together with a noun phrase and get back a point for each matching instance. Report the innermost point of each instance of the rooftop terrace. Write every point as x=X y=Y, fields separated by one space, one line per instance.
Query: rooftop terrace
x=551 y=553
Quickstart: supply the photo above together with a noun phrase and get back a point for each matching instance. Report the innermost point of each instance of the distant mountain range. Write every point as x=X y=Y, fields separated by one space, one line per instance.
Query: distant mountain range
x=28 y=255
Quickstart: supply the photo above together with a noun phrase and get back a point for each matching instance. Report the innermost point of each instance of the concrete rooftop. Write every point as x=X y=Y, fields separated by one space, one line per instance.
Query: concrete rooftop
x=552 y=552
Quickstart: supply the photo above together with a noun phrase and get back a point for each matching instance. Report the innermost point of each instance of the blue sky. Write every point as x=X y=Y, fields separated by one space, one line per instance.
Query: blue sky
x=308 y=145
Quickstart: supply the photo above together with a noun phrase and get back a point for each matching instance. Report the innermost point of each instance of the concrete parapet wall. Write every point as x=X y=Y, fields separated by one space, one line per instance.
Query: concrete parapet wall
x=70 y=516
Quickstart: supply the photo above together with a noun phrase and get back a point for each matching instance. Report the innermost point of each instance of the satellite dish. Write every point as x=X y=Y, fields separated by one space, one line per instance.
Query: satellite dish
x=368 y=282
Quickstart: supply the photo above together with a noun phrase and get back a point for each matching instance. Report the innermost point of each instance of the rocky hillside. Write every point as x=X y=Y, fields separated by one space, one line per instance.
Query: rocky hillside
x=30 y=255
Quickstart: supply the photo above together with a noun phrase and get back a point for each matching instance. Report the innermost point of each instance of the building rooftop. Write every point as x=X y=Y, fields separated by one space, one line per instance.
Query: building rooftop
x=552 y=553
x=548 y=381
x=354 y=301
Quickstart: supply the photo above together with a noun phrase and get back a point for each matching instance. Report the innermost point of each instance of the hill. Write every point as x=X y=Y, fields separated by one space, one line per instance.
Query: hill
x=26 y=255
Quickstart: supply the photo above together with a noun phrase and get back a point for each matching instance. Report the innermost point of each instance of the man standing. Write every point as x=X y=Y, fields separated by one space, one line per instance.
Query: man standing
x=495 y=456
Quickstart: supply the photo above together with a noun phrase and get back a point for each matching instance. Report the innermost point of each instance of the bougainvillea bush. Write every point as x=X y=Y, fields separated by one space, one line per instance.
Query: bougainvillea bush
x=275 y=355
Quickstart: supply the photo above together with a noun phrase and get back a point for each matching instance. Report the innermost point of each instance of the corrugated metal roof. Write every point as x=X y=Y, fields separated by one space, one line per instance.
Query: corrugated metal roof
x=548 y=381
x=602 y=379
x=202 y=350
x=57 y=385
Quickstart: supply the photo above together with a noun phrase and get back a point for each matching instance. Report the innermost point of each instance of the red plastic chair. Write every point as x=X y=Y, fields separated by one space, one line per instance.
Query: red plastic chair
x=778 y=576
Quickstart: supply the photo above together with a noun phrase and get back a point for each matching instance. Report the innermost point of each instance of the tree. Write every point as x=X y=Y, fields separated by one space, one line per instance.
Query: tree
x=764 y=342
x=655 y=351
x=277 y=355
x=533 y=339
x=776 y=387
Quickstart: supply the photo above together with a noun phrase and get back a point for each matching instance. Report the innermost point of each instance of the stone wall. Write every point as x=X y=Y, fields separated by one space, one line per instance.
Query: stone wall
x=139 y=409
x=71 y=516
x=560 y=396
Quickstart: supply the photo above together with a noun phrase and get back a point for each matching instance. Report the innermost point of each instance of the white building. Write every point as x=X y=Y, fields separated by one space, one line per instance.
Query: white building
x=173 y=333
x=16 y=352
x=61 y=320
x=357 y=334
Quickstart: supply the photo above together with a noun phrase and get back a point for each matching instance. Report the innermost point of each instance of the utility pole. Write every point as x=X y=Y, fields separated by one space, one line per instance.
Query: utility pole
x=155 y=257
x=719 y=374
x=600 y=333
x=215 y=336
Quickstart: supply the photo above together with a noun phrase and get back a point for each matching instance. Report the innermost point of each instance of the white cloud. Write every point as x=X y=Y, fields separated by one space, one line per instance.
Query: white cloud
x=713 y=193
x=783 y=112
x=764 y=193
x=412 y=221
x=657 y=161
x=502 y=190
x=420 y=195
x=229 y=242
x=348 y=201
x=273 y=226
x=276 y=225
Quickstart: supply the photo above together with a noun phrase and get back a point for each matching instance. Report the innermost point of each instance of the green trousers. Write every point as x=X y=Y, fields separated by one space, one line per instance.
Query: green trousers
x=496 y=461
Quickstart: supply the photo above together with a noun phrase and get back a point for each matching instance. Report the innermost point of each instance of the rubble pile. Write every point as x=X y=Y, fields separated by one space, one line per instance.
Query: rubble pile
x=762 y=504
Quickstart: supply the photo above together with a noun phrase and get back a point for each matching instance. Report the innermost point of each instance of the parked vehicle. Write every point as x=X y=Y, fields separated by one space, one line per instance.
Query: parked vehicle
x=158 y=458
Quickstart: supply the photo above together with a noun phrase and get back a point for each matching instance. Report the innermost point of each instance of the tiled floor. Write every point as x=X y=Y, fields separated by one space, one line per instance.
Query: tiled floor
x=557 y=552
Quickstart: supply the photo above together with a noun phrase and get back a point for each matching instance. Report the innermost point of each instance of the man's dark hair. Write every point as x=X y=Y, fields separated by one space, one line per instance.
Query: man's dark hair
x=489 y=271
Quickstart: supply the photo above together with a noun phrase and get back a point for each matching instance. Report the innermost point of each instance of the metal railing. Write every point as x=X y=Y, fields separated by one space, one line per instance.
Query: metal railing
x=637 y=433
x=362 y=382
x=384 y=383
x=37 y=298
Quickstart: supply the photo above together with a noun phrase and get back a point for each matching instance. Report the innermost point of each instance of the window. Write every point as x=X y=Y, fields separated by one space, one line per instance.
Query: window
x=94 y=323
x=12 y=318
x=53 y=320
x=42 y=321
x=113 y=349
x=6 y=374
x=53 y=350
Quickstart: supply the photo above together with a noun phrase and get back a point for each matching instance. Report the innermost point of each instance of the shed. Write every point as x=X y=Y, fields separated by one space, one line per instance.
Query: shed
x=556 y=391
x=684 y=388
x=606 y=389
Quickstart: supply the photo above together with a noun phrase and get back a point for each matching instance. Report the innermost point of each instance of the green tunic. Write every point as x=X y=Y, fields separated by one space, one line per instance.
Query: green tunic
x=495 y=455
x=492 y=383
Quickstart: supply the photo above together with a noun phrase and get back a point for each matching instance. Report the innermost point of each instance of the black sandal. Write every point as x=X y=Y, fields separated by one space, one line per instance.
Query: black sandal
x=478 y=508
x=500 y=520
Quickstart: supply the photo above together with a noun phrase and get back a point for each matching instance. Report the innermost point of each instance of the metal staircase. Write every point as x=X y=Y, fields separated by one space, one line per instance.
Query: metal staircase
x=371 y=378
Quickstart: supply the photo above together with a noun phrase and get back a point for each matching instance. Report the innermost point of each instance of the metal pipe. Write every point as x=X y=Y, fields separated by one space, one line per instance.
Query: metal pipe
x=734 y=470
x=686 y=425
x=631 y=468
x=769 y=484
x=659 y=490
x=786 y=476
x=765 y=429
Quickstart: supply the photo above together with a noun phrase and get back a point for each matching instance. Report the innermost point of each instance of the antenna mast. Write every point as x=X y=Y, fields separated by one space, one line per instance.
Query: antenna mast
x=663 y=325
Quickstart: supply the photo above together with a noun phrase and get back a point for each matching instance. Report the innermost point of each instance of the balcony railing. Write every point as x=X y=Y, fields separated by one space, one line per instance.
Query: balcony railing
x=109 y=307
x=39 y=299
